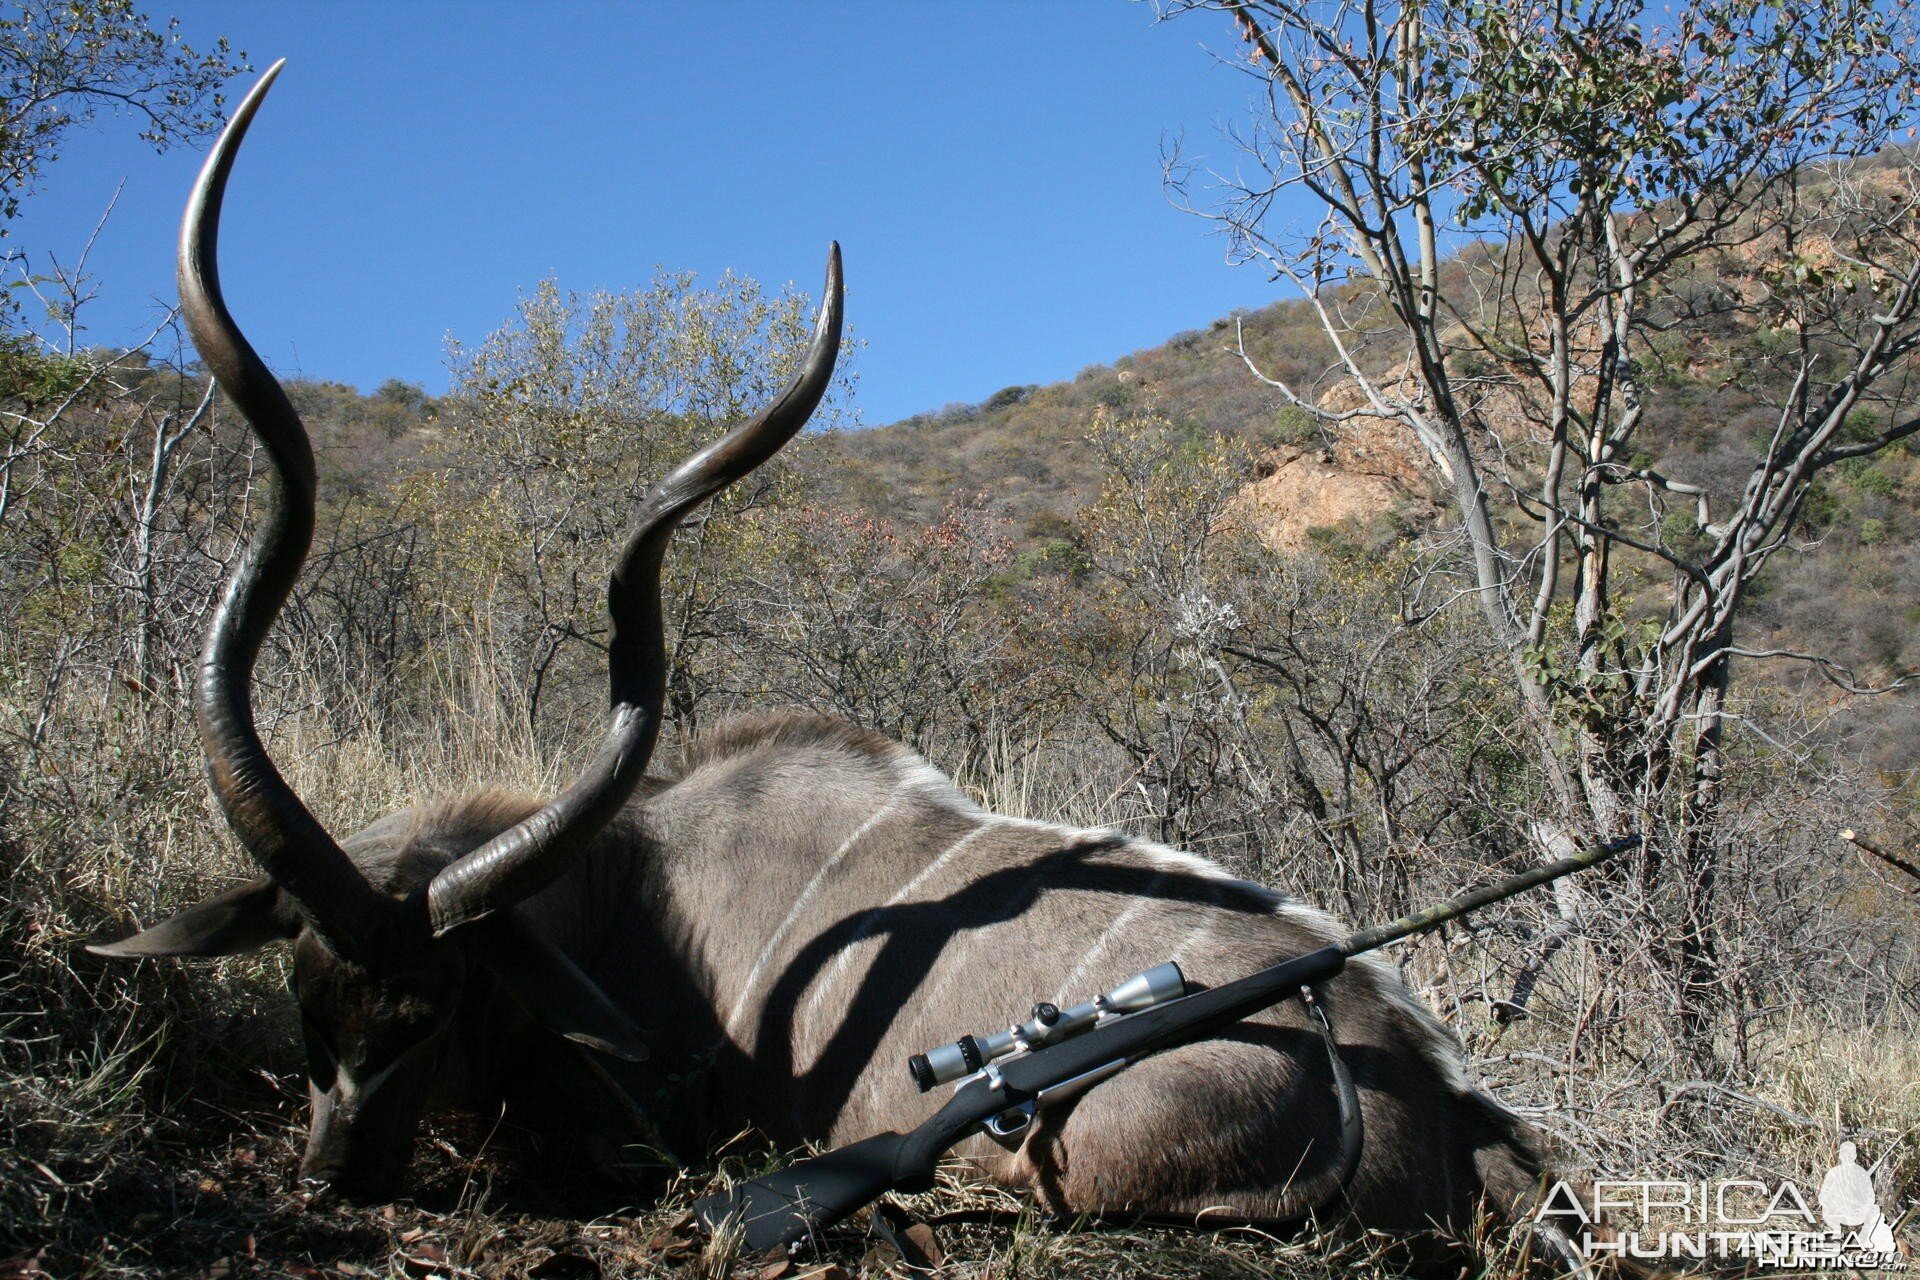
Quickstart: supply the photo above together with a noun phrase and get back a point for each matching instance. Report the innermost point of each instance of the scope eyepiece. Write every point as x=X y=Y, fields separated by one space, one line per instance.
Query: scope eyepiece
x=949 y=1062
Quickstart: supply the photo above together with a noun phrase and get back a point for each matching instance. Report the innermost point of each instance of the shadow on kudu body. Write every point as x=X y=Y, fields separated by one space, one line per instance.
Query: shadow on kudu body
x=759 y=945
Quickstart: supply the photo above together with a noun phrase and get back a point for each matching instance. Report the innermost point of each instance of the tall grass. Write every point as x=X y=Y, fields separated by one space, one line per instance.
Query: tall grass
x=112 y=830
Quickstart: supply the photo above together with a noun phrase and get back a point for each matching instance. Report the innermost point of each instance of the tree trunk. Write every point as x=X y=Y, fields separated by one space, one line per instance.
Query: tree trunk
x=1697 y=967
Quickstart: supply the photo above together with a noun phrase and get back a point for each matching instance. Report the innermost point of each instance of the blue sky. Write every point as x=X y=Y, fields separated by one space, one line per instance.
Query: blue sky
x=991 y=169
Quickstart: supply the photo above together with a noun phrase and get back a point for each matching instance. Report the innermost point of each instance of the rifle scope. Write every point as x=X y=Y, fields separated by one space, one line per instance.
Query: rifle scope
x=1048 y=1024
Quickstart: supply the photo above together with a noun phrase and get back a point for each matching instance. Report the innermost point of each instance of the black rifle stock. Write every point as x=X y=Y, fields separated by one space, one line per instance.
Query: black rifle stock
x=790 y=1205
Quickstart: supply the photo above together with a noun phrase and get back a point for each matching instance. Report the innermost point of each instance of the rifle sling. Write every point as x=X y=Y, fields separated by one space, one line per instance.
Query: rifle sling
x=1353 y=1131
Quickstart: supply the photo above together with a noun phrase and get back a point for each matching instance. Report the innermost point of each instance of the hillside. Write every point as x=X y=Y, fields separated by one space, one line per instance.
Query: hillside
x=1849 y=587
x=1026 y=445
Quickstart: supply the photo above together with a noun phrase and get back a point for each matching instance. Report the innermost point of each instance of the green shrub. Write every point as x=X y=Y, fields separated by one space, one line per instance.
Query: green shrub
x=1864 y=477
x=1292 y=425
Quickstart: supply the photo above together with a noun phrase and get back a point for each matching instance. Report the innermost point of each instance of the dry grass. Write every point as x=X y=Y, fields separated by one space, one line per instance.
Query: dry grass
x=210 y=1195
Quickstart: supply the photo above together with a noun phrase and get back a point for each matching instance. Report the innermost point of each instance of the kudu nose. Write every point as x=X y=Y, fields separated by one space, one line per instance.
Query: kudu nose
x=335 y=1184
x=319 y=1189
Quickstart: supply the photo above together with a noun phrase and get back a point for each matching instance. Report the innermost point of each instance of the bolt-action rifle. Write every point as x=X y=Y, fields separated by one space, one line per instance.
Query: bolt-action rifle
x=1005 y=1077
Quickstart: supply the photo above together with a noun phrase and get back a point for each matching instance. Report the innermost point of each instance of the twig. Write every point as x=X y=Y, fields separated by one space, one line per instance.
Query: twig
x=1894 y=860
x=1708 y=1086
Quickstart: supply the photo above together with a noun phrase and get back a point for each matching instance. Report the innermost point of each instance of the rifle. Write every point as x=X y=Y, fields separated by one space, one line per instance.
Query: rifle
x=1057 y=1054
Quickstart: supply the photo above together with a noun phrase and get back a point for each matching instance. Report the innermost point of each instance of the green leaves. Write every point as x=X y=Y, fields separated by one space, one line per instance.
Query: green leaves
x=61 y=63
x=557 y=422
x=36 y=378
x=1574 y=110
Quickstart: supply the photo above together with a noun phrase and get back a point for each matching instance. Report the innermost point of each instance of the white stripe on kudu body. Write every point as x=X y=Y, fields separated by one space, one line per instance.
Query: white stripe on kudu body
x=1070 y=986
x=839 y=967
x=1190 y=945
x=741 y=1005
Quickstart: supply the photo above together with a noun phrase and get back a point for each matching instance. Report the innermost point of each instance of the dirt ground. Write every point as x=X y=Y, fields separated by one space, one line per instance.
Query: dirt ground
x=212 y=1193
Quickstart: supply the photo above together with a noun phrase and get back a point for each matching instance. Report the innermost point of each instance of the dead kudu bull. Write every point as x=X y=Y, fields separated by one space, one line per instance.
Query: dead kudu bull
x=802 y=909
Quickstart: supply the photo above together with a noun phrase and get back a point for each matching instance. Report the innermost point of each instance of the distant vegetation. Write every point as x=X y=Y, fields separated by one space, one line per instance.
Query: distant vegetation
x=1849 y=587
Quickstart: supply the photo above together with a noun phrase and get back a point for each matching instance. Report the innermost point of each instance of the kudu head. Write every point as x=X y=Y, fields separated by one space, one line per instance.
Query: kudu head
x=380 y=963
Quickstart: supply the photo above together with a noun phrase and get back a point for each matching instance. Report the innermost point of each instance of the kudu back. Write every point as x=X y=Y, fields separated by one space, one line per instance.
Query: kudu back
x=804 y=906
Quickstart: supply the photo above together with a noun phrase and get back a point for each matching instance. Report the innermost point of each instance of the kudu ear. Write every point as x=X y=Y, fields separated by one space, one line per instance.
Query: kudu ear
x=238 y=920
x=550 y=987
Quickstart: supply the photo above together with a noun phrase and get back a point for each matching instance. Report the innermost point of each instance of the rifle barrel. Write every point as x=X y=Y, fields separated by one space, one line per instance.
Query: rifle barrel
x=1473 y=899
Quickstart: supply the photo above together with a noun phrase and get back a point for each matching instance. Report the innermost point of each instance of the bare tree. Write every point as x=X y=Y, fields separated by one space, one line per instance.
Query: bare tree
x=1518 y=215
x=892 y=626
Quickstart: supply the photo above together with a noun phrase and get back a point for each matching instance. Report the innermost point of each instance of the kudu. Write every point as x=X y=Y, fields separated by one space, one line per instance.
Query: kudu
x=801 y=909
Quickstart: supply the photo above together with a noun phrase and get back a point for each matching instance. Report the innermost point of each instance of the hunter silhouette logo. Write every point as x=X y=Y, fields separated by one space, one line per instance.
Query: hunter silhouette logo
x=1849 y=1208
x=1761 y=1224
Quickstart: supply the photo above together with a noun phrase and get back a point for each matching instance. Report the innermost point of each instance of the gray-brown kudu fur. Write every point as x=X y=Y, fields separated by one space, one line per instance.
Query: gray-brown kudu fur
x=803 y=907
